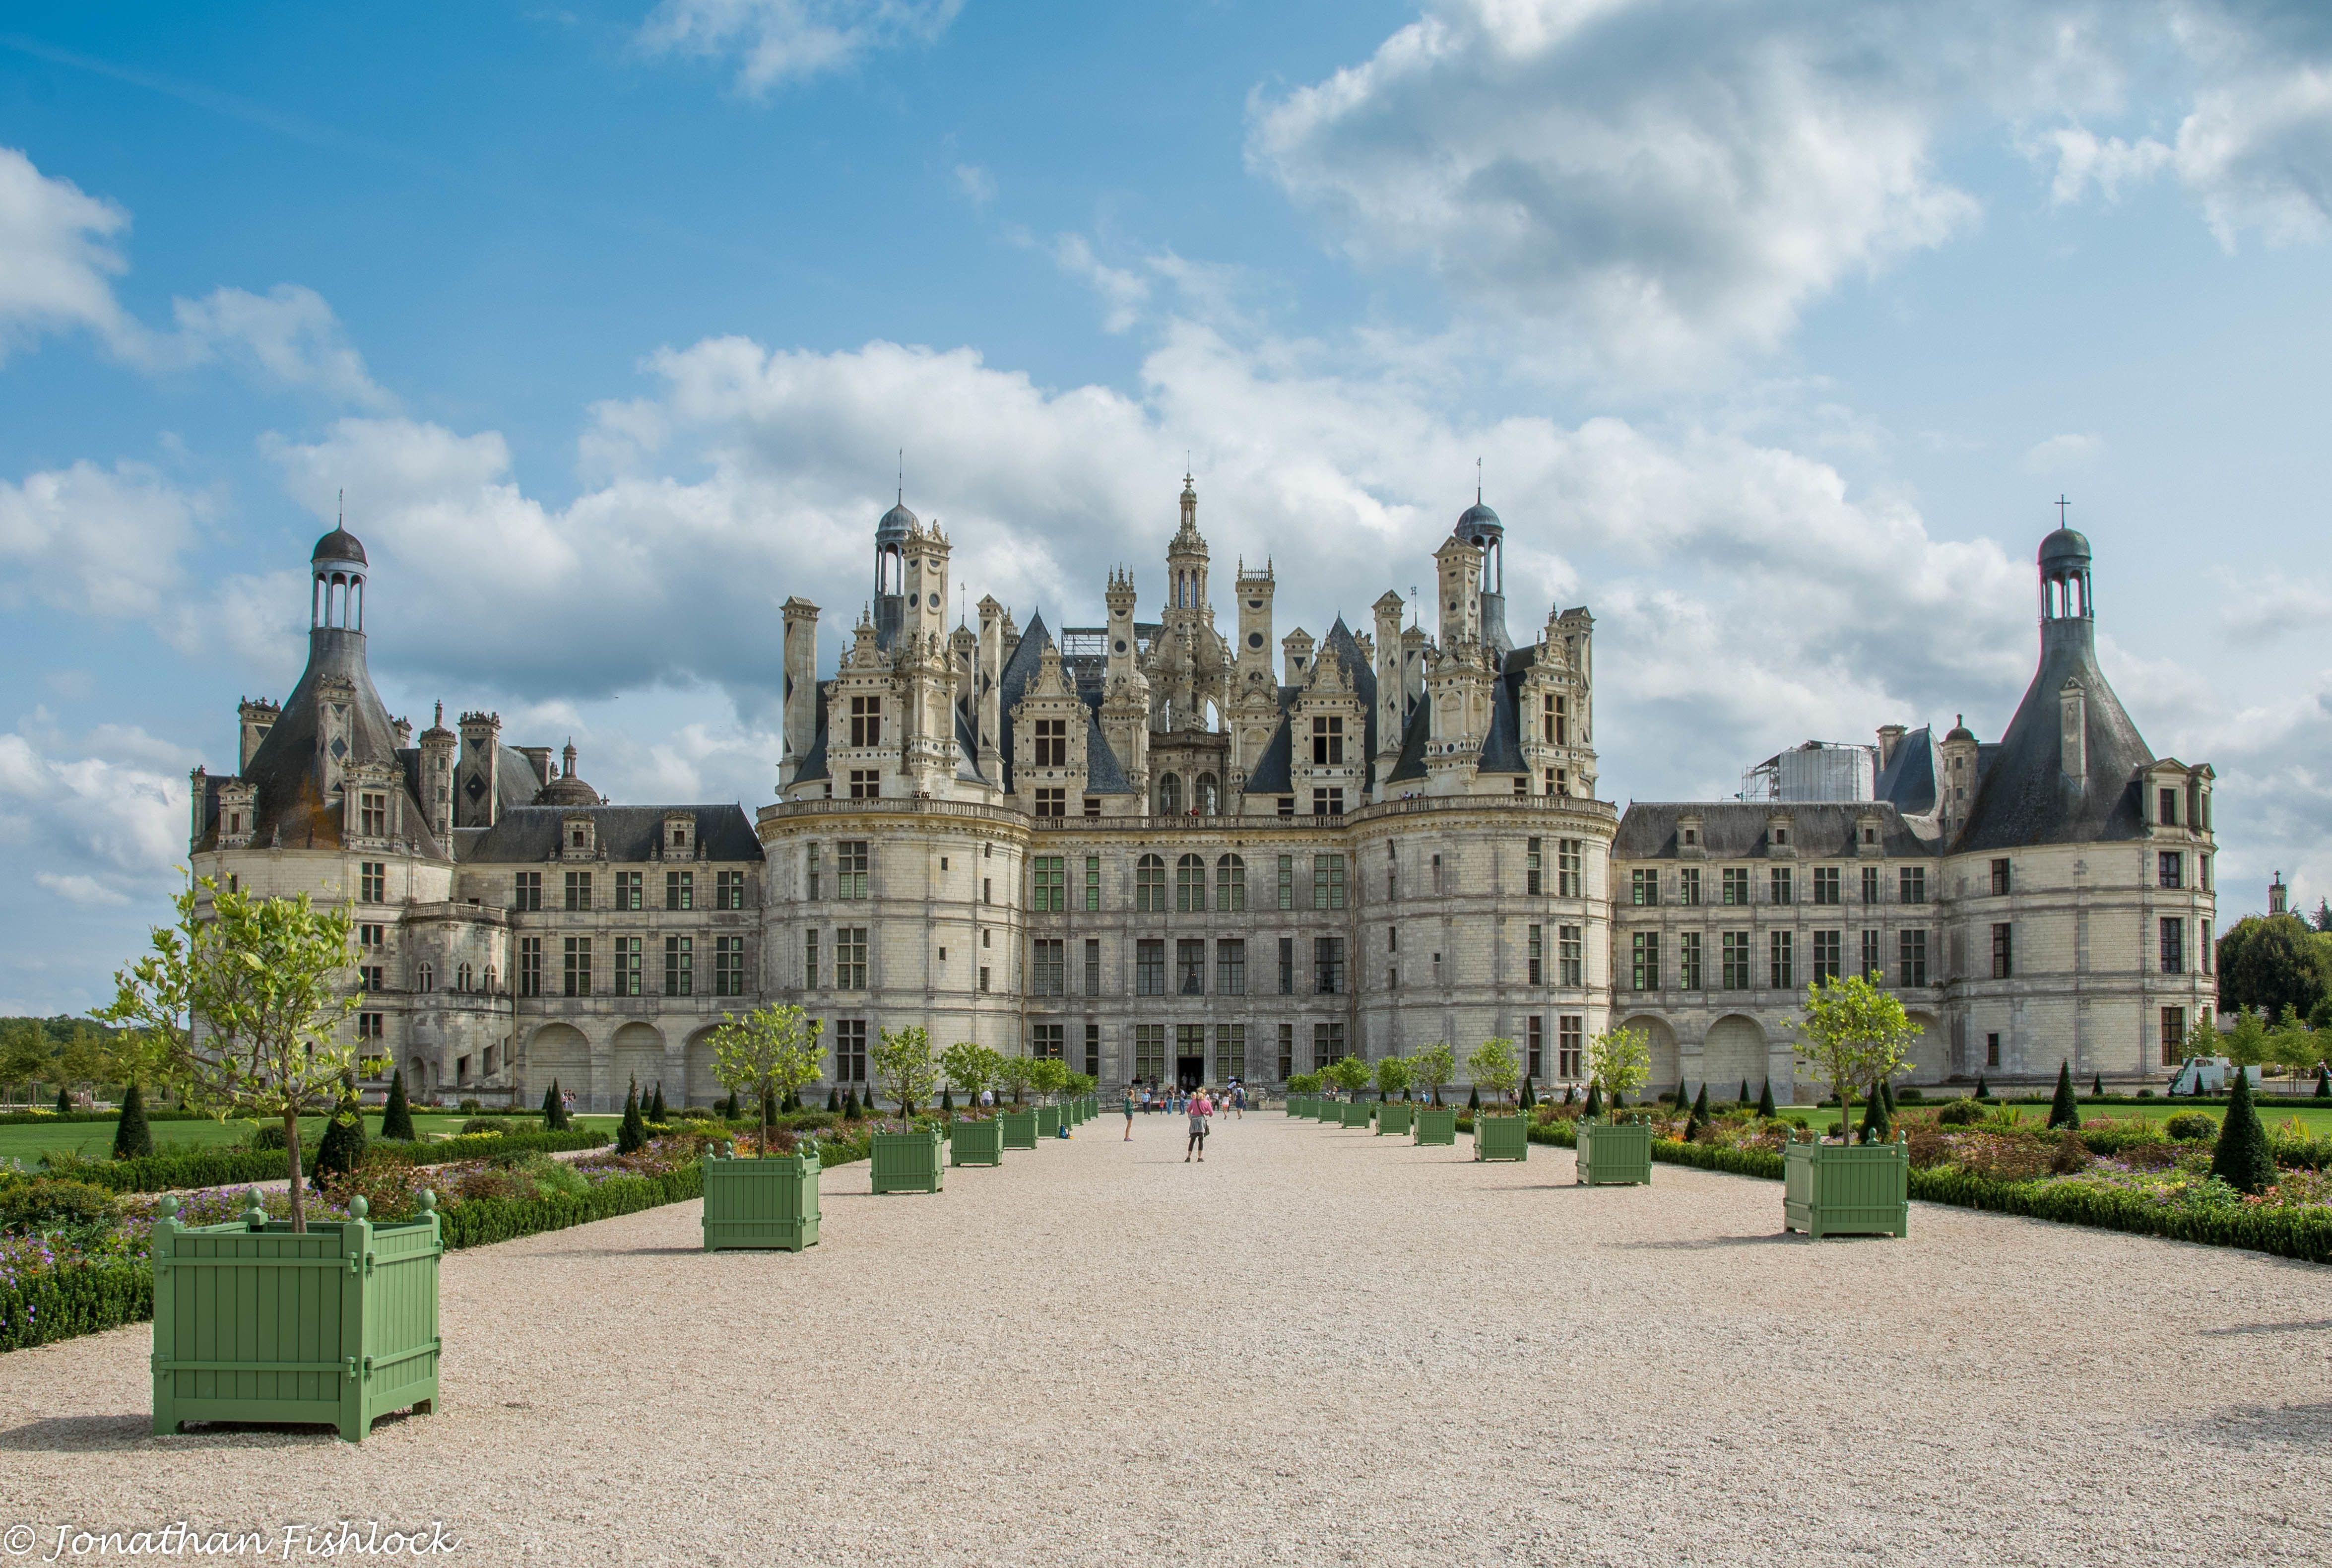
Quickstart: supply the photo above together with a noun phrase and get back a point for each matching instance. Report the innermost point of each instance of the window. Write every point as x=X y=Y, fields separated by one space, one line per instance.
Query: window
x=1537 y=954
x=1287 y=882
x=2173 y=1035
x=1644 y=886
x=372 y=815
x=1826 y=884
x=372 y=879
x=1991 y=1050
x=1873 y=959
x=1911 y=958
x=373 y=977
x=2169 y=802
x=1733 y=885
x=1045 y=1040
x=1052 y=802
x=679 y=966
x=1999 y=878
x=1230 y=966
x=526 y=894
x=1230 y=1051
x=810 y=872
x=1911 y=885
x=1191 y=967
x=1190 y=885
x=1327 y=802
x=866 y=721
x=1531 y=866
x=1734 y=966
x=372 y=936
x=1092 y=1050
x=1780 y=889
x=462 y=973
x=1688 y=959
x=1230 y=885
x=1828 y=947
x=1554 y=718
x=728 y=889
x=679 y=890
x=1688 y=886
x=627 y=966
x=1327 y=1044
x=1092 y=809
x=2003 y=951
x=1149 y=1053
x=729 y=966
x=1093 y=883
x=810 y=960
x=1150 y=967
x=1170 y=796
x=983 y=979
x=1093 y=966
x=2173 y=945
x=369 y=1026
x=1327 y=741
x=850 y=958
x=1052 y=746
x=1783 y=956
x=1570 y=956
x=1286 y=805
x=1286 y=966
x=1048 y=879
x=865 y=784
x=1328 y=966
x=1570 y=1045
x=1327 y=881
x=2170 y=869
x=850 y=1050
x=1534 y=1047
x=1150 y=884
x=1048 y=967
x=579 y=966
x=850 y=868
x=628 y=891
x=1569 y=853
x=1646 y=970
x=1287 y=1051
x=530 y=966
x=579 y=890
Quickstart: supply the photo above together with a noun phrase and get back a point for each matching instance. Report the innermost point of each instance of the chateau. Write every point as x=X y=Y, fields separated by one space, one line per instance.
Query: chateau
x=1164 y=853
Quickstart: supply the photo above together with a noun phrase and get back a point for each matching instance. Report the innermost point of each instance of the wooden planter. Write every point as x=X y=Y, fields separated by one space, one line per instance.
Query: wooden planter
x=338 y=1325
x=1049 y=1121
x=1502 y=1137
x=977 y=1143
x=1614 y=1154
x=1847 y=1188
x=1298 y=1105
x=1436 y=1124
x=770 y=1204
x=1357 y=1113
x=1019 y=1128
x=1326 y=1109
x=1395 y=1117
x=907 y=1162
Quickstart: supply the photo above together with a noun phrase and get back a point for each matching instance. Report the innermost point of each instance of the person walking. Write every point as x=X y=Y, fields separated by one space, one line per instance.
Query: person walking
x=1129 y=1113
x=1200 y=1109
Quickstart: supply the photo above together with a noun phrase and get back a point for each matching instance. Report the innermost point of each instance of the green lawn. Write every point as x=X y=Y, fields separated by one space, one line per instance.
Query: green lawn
x=95 y=1139
x=2318 y=1124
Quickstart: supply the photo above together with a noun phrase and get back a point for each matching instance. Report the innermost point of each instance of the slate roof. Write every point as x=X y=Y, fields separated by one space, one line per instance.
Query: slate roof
x=1012 y=684
x=1908 y=780
x=1736 y=829
x=1272 y=775
x=1410 y=764
x=2024 y=798
x=531 y=833
x=813 y=765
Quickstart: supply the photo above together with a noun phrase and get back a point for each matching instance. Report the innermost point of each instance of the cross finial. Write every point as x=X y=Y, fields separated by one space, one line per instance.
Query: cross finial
x=1478 y=481
x=344 y=509
x=903 y=476
x=2061 y=504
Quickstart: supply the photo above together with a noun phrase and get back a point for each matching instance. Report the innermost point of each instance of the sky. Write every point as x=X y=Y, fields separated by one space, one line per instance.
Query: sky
x=1778 y=331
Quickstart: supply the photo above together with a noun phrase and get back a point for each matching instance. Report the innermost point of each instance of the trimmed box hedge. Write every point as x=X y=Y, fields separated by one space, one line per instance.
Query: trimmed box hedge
x=236 y=1167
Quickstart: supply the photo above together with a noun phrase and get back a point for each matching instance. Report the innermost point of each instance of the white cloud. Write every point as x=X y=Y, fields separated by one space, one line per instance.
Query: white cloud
x=289 y=336
x=2060 y=453
x=776 y=41
x=2083 y=160
x=97 y=817
x=1122 y=292
x=976 y=182
x=98 y=541
x=86 y=891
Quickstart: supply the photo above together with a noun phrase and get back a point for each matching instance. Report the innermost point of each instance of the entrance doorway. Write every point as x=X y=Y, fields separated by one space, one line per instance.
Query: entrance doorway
x=1190 y=1072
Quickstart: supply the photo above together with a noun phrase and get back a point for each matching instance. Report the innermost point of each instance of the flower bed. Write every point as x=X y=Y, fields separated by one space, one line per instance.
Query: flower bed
x=226 y=1167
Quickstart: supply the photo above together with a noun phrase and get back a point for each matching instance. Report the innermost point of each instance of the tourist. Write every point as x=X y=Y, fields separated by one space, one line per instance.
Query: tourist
x=1200 y=1109
x=1129 y=1113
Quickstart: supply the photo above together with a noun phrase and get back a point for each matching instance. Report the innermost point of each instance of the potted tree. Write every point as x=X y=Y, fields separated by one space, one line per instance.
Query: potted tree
x=1429 y=1069
x=1300 y=1089
x=907 y=1160
x=1393 y=1076
x=1081 y=1087
x=1853 y=1033
x=1501 y=1130
x=1019 y=1123
x=770 y=1202
x=262 y=1320
x=1612 y=1153
x=1049 y=1076
x=975 y=1136
x=1352 y=1075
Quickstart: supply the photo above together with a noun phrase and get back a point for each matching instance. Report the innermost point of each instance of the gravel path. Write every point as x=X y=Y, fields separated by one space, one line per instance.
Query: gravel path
x=1320 y=1346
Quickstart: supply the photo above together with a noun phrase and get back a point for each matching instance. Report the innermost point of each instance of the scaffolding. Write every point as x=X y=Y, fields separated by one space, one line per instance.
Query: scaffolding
x=1816 y=770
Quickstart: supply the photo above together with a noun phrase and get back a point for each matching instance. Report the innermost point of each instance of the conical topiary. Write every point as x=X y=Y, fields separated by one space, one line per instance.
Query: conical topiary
x=633 y=1135
x=1594 y=1106
x=1877 y=1126
x=1982 y=1089
x=1570 y=1093
x=947 y=1101
x=1765 y=1107
x=396 y=1120
x=2096 y=1086
x=1529 y=1097
x=132 y=1138
x=64 y=1102
x=342 y=1148
x=2062 y=1112
x=834 y=1098
x=1474 y=1100
x=553 y=1112
x=1887 y=1095
x=2242 y=1158
x=2323 y=1082
x=769 y=1104
x=1744 y=1101
x=1700 y=1117
x=850 y=1106
x=656 y=1112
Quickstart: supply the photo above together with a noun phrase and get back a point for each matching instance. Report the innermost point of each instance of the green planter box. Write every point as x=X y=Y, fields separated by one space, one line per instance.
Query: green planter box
x=1049 y=1121
x=1502 y=1137
x=762 y=1204
x=1357 y=1113
x=1298 y=1105
x=978 y=1142
x=1328 y=1110
x=1847 y=1188
x=1019 y=1128
x=251 y=1322
x=1614 y=1154
x=907 y=1162
x=1436 y=1124
x=1393 y=1117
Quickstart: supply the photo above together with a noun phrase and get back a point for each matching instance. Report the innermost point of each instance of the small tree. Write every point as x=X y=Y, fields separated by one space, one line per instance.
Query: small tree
x=1620 y=1061
x=1853 y=1033
x=1493 y=1065
x=633 y=1135
x=656 y=1111
x=1594 y=1106
x=343 y=1146
x=971 y=1067
x=1049 y=1076
x=1013 y=1071
x=2243 y=1158
x=1878 y=1120
x=1765 y=1107
x=554 y=1113
x=1303 y=1083
x=1351 y=1073
x=132 y=1138
x=1983 y=1088
x=1393 y=1076
x=397 y=1117
x=1433 y=1067
x=1700 y=1117
x=904 y=1064
x=771 y=1051
x=1743 y=1102
x=2062 y=1112
x=2323 y=1082
x=243 y=1008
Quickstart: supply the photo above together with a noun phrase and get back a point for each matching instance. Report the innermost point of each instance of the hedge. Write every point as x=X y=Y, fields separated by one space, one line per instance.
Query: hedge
x=43 y=1118
x=233 y=1166
x=77 y=1299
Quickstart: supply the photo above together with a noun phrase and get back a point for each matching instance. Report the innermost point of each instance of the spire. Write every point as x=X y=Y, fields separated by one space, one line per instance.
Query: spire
x=567 y=759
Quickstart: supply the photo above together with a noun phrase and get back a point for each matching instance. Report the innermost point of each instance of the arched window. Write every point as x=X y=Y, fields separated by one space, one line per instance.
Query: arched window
x=1170 y=795
x=1191 y=886
x=461 y=977
x=490 y=979
x=1150 y=884
x=1231 y=885
x=1208 y=794
x=425 y=979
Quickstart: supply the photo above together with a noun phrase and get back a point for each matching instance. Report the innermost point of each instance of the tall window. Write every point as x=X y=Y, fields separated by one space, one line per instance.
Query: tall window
x=630 y=890
x=1045 y=1040
x=1327 y=740
x=1688 y=959
x=2173 y=946
x=728 y=889
x=1570 y=1045
x=1999 y=878
x=1327 y=881
x=679 y=966
x=2003 y=951
x=1911 y=885
x=1534 y=1047
x=1781 y=888
x=1733 y=885
x=810 y=960
x=679 y=890
x=1537 y=954
x=2173 y=1035
x=850 y=1050
x=1911 y=953
x=372 y=881
x=1190 y=885
x=1286 y=1052
x=1874 y=958
x=2170 y=871
x=1327 y=1044
x=1554 y=718
x=1688 y=885
x=729 y=966
x=1093 y=883
x=579 y=890
x=1531 y=866
x=1286 y=966
x=866 y=721
x=1231 y=885
x=1287 y=882
x=1784 y=959
x=1870 y=885
x=1093 y=966
x=579 y=966
x=1734 y=970
x=627 y=966
x=1150 y=884
x=1150 y=967
x=1230 y=1051
x=1328 y=965
x=1048 y=967
x=850 y=868
x=1646 y=970
x=811 y=872
x=1053 y=744
x=530 y=966
x=850 y=957
x=1826 y=884
x=527 y=895
x=1570 y=956
x=1828 y=947
x=1327 y=802
x=1052 y=802
x=1170 y=796
x=372 y=815
x=1092 y=1050
x=1191 y=967
x=1644 y=885
x=1048 y=884
x=1570 y=854
x=1149 y=1053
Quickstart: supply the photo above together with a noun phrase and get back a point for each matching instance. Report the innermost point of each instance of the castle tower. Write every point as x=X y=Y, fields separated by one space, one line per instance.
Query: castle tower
x=1460 y=565
x=801 y=685
x=1392 y=709
x=439 y=749
x=477 y=790
x=890 y=569
x=1478 y=526
x=257 y=716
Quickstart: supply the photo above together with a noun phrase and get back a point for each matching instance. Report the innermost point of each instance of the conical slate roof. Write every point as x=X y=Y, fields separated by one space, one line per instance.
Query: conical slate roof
x=2025 y=798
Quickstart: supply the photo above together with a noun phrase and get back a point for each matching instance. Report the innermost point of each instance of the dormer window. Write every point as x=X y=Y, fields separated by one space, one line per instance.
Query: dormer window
x=1781 y=836
x=576 y=838
x=1691 y=837
x=372 y=814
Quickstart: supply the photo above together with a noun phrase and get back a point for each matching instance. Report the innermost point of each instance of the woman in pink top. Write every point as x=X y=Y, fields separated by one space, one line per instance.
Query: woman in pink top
x=1200 y=1109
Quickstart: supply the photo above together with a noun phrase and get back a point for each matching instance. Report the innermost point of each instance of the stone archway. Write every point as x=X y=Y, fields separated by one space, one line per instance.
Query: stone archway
x=1931 y=1051
x=1665 y=1061
x=1734 y=1048
x=560 y=1052
x=704 y=1088
x=637 y=1053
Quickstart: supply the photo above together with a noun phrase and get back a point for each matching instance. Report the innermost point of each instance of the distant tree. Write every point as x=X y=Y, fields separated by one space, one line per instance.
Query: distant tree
x=1765 y=1107
x=132 y=1138
x=971 y=1067
x=1700 y=1117
x=2323 y=920
x=1744 y=1101
x=1012 y=1072
x=2270 y=963
x=656 y=1111
x=1394 y=1074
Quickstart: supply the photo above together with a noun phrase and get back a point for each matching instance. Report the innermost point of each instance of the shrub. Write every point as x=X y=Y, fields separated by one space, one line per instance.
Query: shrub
x=1960 y=1114
x=397 y=1121
x=132 y=1138
x=1982 y=1089
x=267 y=1135
x=1912 y=1096
x=394 y=1191
x=633 y=1135
x=2070 y=1154
x=656 y=1110
x=48 y=1205
x=487 y=1125
x=471 y=1107
x=342 y=1148
x=1765 y=1107
x=2242 y=1158
x=2062 y=1112
x=2192 y=1125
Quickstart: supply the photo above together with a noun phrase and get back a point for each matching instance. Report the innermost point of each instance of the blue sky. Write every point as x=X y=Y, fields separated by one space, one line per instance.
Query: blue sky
x=1777 y=329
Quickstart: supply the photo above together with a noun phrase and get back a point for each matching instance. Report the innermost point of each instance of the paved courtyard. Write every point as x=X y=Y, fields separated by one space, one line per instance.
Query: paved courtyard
x=1319 y=1346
